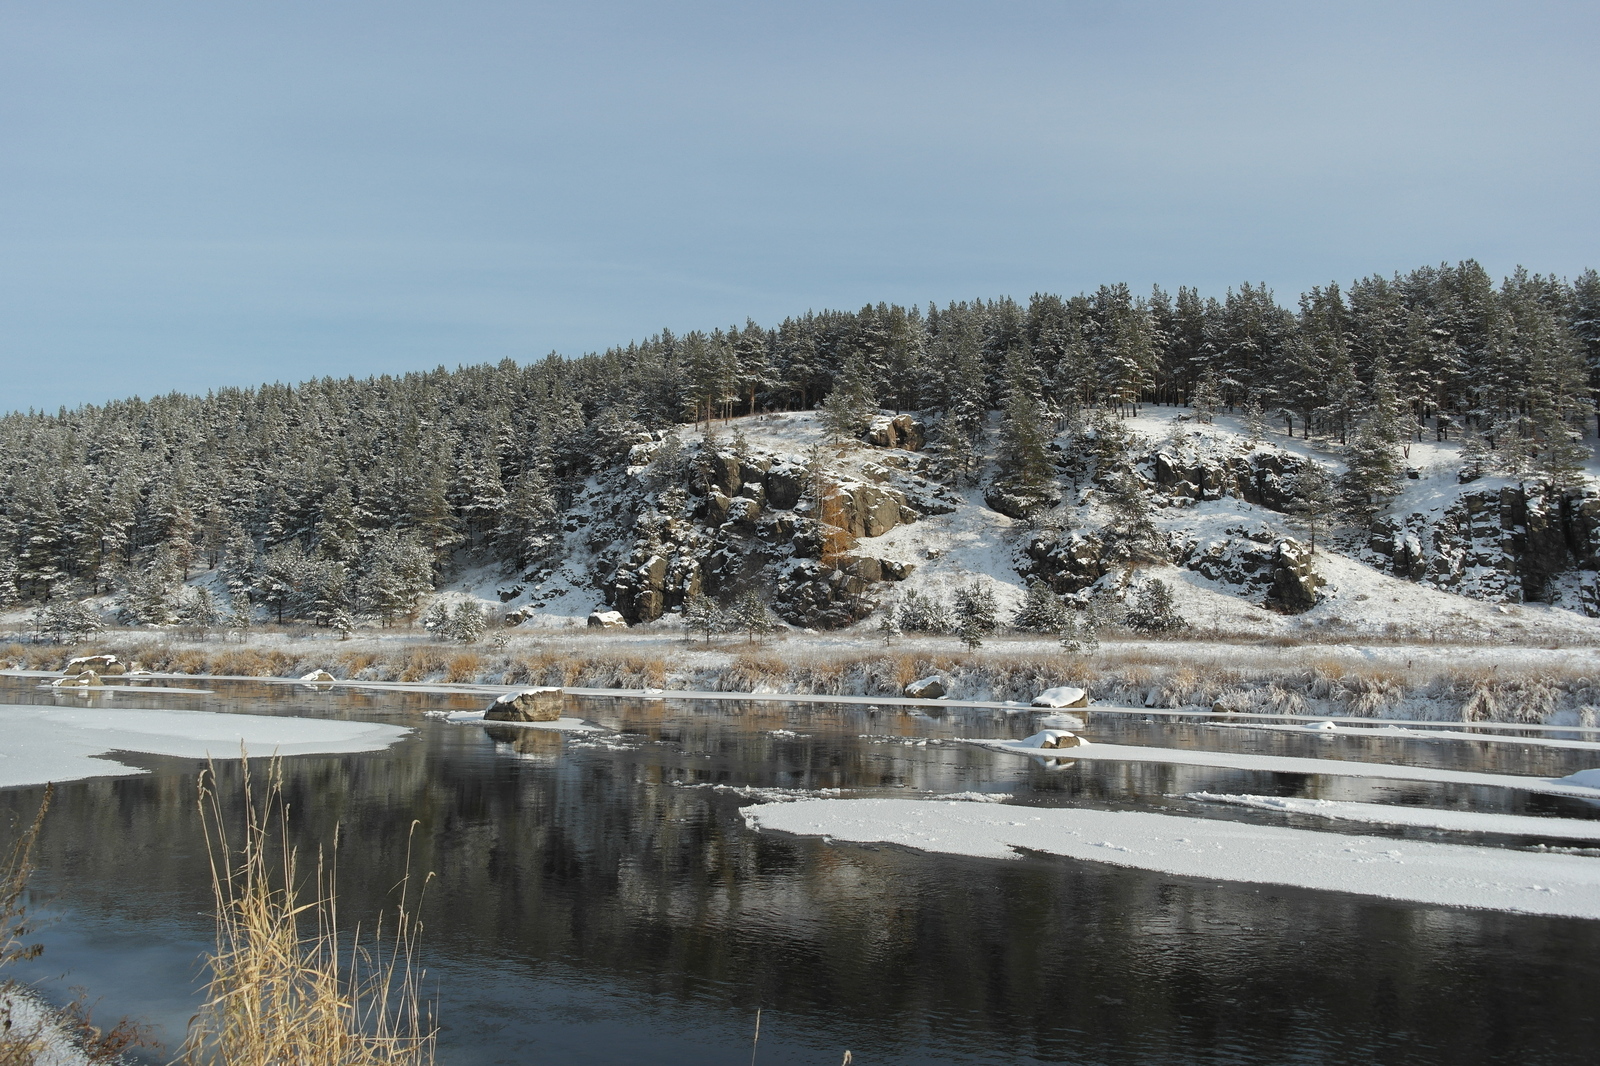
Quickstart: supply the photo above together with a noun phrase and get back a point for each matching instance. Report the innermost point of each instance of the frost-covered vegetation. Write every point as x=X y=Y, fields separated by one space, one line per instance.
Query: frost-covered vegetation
x=573 y=483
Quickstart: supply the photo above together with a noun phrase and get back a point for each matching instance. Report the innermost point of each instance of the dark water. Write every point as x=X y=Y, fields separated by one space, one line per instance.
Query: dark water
x=598 y=900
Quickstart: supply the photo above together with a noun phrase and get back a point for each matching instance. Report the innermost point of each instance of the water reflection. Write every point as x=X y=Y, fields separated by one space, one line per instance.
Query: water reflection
x=598 y=899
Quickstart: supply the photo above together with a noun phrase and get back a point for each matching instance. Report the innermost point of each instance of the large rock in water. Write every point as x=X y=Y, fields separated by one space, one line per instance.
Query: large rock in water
x=1064 y=696
x=929 y=688
x=529 y=705
x=100 y=664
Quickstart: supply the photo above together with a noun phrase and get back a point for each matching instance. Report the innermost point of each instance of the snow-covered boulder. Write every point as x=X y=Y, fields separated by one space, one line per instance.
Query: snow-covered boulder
x=607 y=620
x=1062 y=696
x=529 y=705
x=319 y=675
x=100 y=664
x=928 y=688
x=1054 y=738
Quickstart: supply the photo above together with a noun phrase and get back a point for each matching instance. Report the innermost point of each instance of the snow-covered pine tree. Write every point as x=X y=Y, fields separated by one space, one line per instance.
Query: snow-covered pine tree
x=1153 y=610
x=1255 y=421
x=1023 y=467
x=1312 y=503
x=750 y=614
x=530 y=524
x=1207 y=395
x=850 y=407
x=703 y=615
x=466 y=623
x=1042 y=610
x=1131 y=534
x=975 y=611
x=395 y=573
x=436 y=619
x=1371 y=480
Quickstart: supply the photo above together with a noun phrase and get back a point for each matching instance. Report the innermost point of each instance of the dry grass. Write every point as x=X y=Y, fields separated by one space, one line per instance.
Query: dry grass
x=18 y=1047
x=463 y=667
x=278 y=995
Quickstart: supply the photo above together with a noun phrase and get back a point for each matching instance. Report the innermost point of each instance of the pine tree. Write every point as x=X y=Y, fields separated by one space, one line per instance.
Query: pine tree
x=1131 y=535
x=1255 y=422
x=1023 y=462
x=437 y=618
x=1371 y=480
x=750 y=614
x=974 y=613
x=850 y=407
x=466 y=623
x=1154 y=611
x=703 y=615
x=1312 y=502
x=1207 y=395
x=1042 y=610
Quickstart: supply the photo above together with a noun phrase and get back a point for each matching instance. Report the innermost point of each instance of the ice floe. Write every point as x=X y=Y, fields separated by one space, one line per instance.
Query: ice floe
x=1451 y=875
x=40 y=743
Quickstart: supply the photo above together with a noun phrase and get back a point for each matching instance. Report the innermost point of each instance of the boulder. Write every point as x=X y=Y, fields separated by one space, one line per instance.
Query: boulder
x=1064 y=696
x=81 y=679
x=1054 y=738
x=901 y=431
x=785 y=484
x=928 y=688
x=100 y=664
x=1018 y=503
x=529 y=705
x=607 y=620
x=319 y=675
x=1294 y=581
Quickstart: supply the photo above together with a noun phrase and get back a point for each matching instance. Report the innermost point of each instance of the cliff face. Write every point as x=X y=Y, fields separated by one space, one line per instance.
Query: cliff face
x=718 y=524
x=1504 y=543
x=822 y=533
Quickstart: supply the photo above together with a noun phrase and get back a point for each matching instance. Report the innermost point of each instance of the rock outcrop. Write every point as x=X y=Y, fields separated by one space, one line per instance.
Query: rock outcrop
x=1497 y=544
x=529 y=705
x=1263 y=477
x=901 y=431
x=1279 y=570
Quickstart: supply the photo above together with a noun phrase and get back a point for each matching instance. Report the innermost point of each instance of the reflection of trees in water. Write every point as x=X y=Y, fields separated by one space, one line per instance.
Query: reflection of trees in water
x=594 y=857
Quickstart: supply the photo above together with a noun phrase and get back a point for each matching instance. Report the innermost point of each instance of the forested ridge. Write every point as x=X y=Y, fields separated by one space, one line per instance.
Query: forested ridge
x=343 y=498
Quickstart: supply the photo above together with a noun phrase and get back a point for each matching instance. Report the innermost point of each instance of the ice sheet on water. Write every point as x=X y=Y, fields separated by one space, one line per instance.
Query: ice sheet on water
x=1450 y=875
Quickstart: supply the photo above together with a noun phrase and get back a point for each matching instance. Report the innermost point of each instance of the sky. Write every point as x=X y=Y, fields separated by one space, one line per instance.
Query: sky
x=204 y=194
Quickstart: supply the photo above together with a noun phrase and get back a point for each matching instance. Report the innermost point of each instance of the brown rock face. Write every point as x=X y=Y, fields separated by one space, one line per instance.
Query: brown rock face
x=529 y=705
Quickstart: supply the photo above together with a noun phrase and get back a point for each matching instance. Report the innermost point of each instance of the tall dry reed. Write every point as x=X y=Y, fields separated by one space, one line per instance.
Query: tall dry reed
x=279 y=994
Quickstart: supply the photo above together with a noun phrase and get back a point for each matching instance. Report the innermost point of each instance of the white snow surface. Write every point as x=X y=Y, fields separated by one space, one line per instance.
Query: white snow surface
x=1422 y=817
x=1584 y=784
x=40 y=744
x=1449 y=875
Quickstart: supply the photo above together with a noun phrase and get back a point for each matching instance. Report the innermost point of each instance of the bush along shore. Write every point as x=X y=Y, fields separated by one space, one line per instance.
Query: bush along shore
x=1306 y=680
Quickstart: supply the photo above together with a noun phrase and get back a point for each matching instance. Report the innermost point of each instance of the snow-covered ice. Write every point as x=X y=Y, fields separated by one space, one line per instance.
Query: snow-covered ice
x=40 y=744
x=1450 y=875
x=1421 y=817
x=1585 y=784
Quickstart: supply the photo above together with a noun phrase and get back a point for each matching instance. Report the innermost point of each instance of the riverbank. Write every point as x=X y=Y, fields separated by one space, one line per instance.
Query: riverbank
x=1549 y=685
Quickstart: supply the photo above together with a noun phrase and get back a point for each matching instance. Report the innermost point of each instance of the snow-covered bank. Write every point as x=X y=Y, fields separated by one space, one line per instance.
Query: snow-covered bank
x=40 y=744
x=34 y=1027
x=1418 y=817
x=1284 y=764
x=1449 y=875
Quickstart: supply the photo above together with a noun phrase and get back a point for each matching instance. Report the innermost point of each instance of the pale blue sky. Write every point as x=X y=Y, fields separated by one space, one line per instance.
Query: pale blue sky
x=220 y=193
